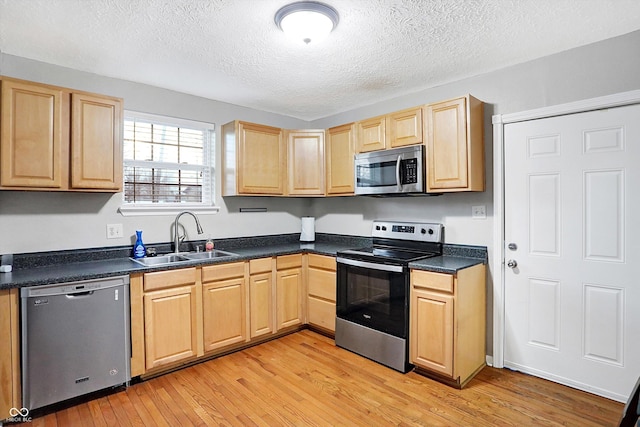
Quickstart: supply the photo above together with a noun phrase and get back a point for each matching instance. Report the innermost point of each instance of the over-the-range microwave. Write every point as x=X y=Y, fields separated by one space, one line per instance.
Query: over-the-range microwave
x=394 y=172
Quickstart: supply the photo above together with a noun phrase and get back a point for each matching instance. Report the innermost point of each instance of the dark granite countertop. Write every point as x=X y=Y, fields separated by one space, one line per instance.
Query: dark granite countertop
x=71 y=266
x=445 y=264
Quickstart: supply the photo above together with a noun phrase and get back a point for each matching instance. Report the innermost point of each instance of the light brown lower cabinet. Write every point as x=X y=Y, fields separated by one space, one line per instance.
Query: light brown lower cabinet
x=321 y=291
x=172 y=316
x=223 y=305
x=9 y=352
x=447 y=326
x=260 y=297
x=288 y=291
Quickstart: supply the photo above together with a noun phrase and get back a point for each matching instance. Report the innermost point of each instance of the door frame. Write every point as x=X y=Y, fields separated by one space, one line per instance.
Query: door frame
x=497 y=263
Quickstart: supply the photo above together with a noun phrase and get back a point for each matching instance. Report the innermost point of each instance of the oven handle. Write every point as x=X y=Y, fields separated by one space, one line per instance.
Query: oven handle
x=371 y=265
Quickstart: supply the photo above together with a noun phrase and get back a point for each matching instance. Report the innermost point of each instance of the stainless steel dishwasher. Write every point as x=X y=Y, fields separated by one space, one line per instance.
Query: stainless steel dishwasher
x=75 y=339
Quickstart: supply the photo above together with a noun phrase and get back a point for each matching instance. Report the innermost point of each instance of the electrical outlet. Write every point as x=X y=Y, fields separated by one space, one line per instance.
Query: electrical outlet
x=114 y=231
x=479 y=212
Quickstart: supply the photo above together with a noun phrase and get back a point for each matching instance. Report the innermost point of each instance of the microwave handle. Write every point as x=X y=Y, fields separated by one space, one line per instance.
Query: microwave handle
x=398 y=182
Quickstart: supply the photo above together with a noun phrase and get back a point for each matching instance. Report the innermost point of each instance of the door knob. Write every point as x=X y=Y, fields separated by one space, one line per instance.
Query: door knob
x=512 y=263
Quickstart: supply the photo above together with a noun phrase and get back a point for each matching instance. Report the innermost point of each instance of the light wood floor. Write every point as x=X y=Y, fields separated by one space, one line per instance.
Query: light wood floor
x=303 y=379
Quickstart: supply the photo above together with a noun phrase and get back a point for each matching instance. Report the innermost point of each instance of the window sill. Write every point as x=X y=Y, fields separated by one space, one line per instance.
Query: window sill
x=149 y=210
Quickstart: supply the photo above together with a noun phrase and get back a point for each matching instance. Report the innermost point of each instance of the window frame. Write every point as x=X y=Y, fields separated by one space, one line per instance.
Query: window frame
x=150 y=208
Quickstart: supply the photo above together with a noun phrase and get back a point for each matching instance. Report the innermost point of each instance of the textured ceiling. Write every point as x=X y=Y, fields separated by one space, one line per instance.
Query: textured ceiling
x=231 y=50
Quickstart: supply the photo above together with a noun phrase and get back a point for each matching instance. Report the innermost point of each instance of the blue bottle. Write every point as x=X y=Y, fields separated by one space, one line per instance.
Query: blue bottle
x=139 y=250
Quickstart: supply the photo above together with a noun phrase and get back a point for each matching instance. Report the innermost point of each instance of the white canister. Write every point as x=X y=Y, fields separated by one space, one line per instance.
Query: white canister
x=308 y=229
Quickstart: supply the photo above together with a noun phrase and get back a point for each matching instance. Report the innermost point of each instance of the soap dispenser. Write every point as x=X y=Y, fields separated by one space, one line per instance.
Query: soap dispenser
x=139 y=250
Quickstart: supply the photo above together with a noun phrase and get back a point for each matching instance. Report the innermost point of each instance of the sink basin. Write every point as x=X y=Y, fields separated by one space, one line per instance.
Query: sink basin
x=161 y=260
x=207 y=255
x=181 y=257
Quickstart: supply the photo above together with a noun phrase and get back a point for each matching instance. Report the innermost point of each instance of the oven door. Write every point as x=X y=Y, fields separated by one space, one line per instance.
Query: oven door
x=374 y=295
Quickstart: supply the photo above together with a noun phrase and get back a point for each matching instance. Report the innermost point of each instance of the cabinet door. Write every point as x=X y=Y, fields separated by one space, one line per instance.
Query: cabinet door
x=306 y=162
x=431 y=331
x=262 y=159
x=96 y=142
x=260 y=303
x=9 y=352
x=405 y=127
x=224 y=313
x=34 y=136
x=447 y=145
x=170 y=325
x=371 y=134
x=321 y=298
x=340 y=161
x=289 y=298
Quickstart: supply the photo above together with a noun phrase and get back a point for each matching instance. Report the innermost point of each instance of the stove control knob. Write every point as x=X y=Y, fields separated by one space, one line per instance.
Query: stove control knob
x=423 y=231
x=384 y=228
x=378 y=227
x=431 y=231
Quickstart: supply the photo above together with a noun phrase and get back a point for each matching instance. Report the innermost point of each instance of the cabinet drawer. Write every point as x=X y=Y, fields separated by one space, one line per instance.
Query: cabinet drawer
x=321 y=261
x=169 y=278
x=321 y=313
x=222 y=271
x=430 y=280
x=322 y=284
x=288 y=261
x=261 y=265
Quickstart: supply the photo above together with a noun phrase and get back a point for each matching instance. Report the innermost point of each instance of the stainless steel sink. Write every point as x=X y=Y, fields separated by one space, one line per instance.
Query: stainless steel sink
x=181 y=257
x=216 y=253
x=161 y=260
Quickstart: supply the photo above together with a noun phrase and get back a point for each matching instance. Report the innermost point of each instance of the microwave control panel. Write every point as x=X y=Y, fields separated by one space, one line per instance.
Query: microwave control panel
x=409 y=168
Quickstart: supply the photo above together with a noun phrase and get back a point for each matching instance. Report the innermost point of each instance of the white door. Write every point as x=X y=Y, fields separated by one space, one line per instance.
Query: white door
x=572 y=226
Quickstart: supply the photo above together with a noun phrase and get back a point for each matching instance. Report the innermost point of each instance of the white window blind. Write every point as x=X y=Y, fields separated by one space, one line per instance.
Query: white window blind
x=167 y=162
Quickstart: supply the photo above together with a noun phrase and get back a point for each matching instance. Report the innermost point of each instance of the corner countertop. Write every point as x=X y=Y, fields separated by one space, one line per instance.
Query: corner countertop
x=69 y=266
x=446 y=264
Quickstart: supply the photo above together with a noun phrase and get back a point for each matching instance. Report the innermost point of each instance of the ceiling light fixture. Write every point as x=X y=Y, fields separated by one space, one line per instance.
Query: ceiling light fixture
x=307 y=21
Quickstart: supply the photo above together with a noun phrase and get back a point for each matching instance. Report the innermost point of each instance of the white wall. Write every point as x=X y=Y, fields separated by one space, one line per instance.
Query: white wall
x=595 y=70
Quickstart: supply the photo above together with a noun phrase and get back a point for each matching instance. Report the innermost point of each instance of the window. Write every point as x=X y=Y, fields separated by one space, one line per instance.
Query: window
x=168 y=164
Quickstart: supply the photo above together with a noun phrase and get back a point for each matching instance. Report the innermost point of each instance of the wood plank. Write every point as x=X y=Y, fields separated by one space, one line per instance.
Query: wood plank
x=304 y=379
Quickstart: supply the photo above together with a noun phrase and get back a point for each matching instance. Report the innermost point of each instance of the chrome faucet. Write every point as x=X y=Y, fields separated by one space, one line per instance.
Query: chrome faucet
x=176 y=238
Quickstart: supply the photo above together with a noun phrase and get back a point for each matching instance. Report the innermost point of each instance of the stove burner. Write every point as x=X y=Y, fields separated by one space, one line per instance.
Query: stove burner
x=390 y=253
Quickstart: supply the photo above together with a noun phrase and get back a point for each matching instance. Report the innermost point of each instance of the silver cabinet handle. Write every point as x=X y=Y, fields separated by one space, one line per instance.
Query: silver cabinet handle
x=512 y=263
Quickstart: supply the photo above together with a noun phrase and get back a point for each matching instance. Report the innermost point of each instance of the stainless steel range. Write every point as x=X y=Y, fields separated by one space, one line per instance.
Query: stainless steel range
x=372 y=308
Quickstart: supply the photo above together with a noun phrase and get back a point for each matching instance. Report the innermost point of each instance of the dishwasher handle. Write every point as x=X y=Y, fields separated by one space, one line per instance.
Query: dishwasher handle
x=74 y=287
x=81 y=294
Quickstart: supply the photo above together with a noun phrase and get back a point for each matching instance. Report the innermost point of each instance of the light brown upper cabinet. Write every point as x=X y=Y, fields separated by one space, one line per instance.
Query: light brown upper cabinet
x=53 y=138
x=305 y=162
x=390 y=131
x=34 y=152
x=404 y=127
x=455 y=148
x=371 y=134
x=96 y=142
x=254 y=159
x=339 y=155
